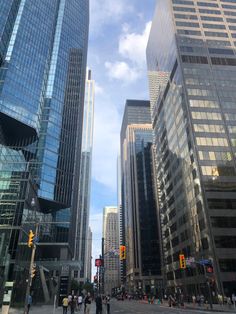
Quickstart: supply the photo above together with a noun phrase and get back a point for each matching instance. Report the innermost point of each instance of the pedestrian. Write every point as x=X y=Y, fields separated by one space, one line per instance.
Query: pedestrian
x=220 y=299
x=194 y=300
x=87 y=303
x=202 y=299
x=65 y=303
x=229 y=303
x=72 y=302
x=80 y=301
x=234 y=299
x=198 y=300
x=181 y=300
x=108 y=304
x=29 y=303
x=98 y=302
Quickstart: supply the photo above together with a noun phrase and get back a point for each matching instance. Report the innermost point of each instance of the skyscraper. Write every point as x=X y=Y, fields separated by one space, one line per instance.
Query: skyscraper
x=194 y=120
x=85 y=179
x=88 y=273
x=121 y=220
x=111 y=248
x=143 y=258
x=43 y=52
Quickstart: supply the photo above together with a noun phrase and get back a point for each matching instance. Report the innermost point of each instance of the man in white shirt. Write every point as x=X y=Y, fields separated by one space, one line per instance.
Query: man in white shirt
x=80 y=301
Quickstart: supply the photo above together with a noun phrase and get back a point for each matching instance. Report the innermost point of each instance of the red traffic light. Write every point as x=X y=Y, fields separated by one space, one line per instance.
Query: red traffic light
x=209 y=269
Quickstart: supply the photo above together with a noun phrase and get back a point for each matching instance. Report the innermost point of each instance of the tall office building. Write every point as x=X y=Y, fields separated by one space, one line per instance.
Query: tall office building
x=111 y=248
x=85 y=180
x=143 y=258
x=121 y=220
x=194 y=120
x=89 y=257
x=43 y=52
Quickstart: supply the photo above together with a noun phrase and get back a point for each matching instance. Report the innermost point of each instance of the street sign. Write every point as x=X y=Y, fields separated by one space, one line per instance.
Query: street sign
x=190 y=261
x=205 y=262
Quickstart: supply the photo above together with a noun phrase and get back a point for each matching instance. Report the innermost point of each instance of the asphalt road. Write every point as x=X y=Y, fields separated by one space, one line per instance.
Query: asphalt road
x=128 y=307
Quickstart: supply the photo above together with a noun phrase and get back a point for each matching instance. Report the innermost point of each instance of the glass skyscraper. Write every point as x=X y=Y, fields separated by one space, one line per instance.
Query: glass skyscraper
x=192 y=43
x=43 y=52
x=139 y=210
x=81 y=249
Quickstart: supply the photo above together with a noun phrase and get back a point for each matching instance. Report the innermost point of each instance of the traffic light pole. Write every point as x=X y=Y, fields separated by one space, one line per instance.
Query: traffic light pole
x=29 y=283
x=209 y=288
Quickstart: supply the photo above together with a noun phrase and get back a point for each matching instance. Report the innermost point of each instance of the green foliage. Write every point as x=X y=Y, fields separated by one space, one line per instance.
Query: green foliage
x=88 y=286
x=75 y=285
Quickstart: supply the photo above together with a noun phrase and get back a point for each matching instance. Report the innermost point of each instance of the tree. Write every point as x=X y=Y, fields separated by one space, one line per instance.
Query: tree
x=75 y=285
x=88 y=286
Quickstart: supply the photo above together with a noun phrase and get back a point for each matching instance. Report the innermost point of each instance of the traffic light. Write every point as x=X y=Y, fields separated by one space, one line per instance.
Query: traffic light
x=30 y=238
x=209 y=269
x=182 y=261
x=122 y=252
x=33 y=271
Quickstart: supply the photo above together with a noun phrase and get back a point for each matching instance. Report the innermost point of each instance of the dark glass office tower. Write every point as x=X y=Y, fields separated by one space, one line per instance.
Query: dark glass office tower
x=43 y=51
x=191 y=63
x=141 y=227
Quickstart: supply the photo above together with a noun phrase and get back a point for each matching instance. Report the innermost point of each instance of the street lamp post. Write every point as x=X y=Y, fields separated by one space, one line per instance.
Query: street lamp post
x=30 y=277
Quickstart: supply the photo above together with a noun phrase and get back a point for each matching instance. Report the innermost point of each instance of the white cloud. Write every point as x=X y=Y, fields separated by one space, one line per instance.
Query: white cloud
x=104 y=12
x=98 y=89
x=122 y=71
x=106 y=142
x=95 y=222
x=132 y=46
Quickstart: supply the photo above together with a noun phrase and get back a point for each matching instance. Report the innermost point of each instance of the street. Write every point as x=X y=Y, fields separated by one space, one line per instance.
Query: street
x=128 y=307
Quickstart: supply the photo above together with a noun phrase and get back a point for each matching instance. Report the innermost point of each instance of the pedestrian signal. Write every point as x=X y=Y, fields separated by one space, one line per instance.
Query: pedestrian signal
x=182 y=261
x=122 y=252
x=209 y=269
x=30 y=238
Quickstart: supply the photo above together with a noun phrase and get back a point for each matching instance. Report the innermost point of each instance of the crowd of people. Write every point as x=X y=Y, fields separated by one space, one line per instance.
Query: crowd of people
x=200 y=300
x=73 y=303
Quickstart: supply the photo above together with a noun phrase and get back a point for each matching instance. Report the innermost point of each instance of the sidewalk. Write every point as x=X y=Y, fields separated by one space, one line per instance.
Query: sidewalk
x=216 y=307
x=48 y=309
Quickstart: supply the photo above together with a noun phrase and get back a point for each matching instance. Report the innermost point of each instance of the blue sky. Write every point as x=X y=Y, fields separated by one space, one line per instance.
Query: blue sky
x=119 y=31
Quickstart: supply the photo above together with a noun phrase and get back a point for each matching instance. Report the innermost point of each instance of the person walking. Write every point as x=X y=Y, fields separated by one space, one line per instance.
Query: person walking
x=80 y=301
x=65 y=303
x=234 y=299
x=72 y=303
x=29 y=303
x=87 y=303
x=98 y=302
x=108 y=304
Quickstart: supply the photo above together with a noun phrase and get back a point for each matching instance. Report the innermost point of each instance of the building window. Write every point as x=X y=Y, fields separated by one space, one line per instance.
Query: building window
x=227 y=265
x=225 y=241
x=223 y=222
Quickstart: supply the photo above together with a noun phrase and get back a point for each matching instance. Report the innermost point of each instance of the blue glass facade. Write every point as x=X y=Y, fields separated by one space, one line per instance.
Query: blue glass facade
x=43 y=52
